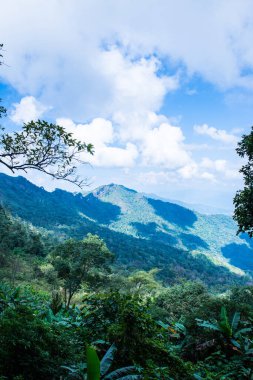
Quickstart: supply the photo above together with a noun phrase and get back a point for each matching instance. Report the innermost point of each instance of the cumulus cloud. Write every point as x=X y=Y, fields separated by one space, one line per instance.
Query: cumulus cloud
x=164 y=146
x=194 y=171
x=115 y=157
x=135 y=124
x=160 y=146
x=135 y=82
x=221 y=167
x=210 y=170
x=27 y=109
x=157 y=144
x=77 y=51
x=216 y=134
x=100 y=133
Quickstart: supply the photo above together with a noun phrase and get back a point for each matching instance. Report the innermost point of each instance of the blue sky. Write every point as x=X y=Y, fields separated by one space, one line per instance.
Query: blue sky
x=163 y=89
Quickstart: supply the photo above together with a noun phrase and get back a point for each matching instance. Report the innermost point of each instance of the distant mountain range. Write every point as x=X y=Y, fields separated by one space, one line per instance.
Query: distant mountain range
x=142 y=231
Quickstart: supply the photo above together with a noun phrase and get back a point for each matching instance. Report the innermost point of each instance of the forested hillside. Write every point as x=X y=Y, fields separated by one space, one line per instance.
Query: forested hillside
x=142 y=232
x=69 y=310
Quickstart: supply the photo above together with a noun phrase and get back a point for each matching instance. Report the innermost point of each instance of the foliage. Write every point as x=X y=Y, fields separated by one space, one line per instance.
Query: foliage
x=31 y=346
x=69 y=215
x=126 y=319
x=78 y=261
x=143 y=283
x=243 y=199
x=42 y=337
x=97 y=369
x=45 y=147
x=154 y=327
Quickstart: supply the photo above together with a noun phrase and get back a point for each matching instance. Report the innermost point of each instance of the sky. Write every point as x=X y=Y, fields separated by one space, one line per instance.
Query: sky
x=162 y=88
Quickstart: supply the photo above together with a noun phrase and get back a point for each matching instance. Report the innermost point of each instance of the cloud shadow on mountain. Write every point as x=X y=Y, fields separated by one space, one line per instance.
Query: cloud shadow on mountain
x=102 y=212
x=173 y=213
x=240 y=255
x=193 y=241
x=151 y=231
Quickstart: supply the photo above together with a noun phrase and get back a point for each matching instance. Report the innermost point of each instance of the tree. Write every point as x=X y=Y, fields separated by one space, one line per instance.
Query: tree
x=243 y=200
x=143 y=283
x=42 y=146
x=45 y=147
x=75 y=262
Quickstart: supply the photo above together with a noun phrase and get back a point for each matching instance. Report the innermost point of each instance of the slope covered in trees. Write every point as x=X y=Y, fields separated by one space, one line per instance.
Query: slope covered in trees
x=131 y=306
x=160 y=232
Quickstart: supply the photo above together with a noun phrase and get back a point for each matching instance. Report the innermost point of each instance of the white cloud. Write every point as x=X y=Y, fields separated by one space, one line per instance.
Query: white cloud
x=218 y=165
x=136 y=125
x=135 y=82
x=66 y=64
x=208 y=169
x=164 y=146
x=138 y=93
x=100 y=133
x=221 y=167
x=189 y=171
x=216 y=134
x=160 y=146
x=193 y=171
x=115 y=157
x=27 y=109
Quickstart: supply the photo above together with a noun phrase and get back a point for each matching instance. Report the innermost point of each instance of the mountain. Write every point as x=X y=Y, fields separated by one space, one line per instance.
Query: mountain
x=145 y=217
x=143 y=232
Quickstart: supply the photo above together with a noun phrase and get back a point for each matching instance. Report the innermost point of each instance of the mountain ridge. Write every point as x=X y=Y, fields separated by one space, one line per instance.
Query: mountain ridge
x=121 y=214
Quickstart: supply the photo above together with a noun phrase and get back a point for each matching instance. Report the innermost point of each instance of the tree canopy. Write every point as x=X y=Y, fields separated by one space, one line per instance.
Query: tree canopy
x=243 y=199
x=77 y=261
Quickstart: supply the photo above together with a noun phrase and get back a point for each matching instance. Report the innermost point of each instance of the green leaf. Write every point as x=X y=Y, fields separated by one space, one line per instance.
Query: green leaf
x=208 y=325
x=107 y=360
x=243 y=331
x=93 y=364
x=197 y=376
x=123 y=373
x=235 y=321
x=235 y=343
x=163 y=325
x=224 y=323
x=130 y=377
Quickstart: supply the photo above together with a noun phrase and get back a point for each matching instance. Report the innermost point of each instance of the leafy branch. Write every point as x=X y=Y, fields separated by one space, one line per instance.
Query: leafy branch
x=45 y=147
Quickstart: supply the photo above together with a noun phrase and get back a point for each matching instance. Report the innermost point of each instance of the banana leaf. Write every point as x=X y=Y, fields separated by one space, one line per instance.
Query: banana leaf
x=235 y=321
x=93 y=364
x=122 y=373
x=107 y=360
